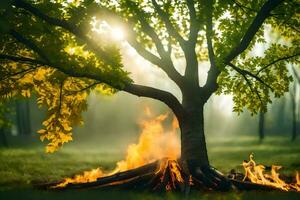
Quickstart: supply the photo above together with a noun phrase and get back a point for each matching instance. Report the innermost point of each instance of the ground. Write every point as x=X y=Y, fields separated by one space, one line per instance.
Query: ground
x=21 y=167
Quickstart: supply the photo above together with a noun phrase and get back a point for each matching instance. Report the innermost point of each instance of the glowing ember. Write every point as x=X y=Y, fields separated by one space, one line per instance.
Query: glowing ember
x=154 y=143
x=257 y=174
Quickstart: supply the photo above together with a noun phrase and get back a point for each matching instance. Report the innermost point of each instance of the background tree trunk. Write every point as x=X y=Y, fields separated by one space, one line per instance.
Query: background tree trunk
x=3 y=137
x=261 y=126
x=23 y=117
x=294 y=115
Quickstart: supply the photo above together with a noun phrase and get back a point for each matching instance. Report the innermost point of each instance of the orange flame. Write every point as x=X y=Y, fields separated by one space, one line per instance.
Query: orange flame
x=257 y=174
x=170 y=167
x=154 y=143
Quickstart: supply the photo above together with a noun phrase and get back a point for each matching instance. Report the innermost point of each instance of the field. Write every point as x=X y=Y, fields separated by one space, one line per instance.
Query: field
x=20 y=168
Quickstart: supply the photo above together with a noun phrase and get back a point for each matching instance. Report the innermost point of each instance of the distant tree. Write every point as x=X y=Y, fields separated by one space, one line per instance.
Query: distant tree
x=5 y=121
x=57 y=50
x=23 y=121
x=294 y=101
x=261 y=126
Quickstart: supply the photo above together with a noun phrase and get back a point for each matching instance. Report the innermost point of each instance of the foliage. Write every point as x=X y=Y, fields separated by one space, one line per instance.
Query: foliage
x=60 y=51
x=5 y=111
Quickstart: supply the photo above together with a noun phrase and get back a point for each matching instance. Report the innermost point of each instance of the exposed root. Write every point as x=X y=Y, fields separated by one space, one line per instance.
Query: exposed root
x=169 y=175
x=163 y=175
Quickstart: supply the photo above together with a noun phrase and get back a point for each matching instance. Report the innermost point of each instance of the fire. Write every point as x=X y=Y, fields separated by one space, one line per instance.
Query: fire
x=171 y=174
x=256 y=173
x=154 y=143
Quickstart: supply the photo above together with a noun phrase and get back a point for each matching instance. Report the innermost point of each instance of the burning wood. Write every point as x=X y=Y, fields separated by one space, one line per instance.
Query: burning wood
x=256 y=173
x=152 y=164
x=155 y=143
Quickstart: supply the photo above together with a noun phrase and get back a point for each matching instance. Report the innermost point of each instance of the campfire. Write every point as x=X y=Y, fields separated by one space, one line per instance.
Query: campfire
x=155 y=143
x=153 y=164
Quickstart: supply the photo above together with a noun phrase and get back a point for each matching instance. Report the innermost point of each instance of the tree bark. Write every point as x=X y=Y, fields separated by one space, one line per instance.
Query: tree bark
x=193 y=145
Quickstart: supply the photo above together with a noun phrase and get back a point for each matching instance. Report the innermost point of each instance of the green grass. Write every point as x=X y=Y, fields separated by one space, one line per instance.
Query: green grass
x=227 y=154
x=22 y=167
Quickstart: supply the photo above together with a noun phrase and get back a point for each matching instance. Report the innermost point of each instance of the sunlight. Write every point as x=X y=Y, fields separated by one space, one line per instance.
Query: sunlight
x=117 y=33
x=225 y=104
x=70 y=50
x=103 y=28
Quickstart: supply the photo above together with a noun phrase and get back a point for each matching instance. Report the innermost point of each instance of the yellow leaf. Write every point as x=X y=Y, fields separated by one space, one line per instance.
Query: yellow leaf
x=50 y=149
x=39 y=75
x=42 y=137
x=42 y=131
x=66 y=126
x=25 y=93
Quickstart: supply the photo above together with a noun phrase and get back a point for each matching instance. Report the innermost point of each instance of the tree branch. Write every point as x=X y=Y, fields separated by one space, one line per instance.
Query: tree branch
x=142 y=91
x=147 y=29
x=171 y=30
x=194 y=25
x=263 y=13
x=7 y=76
x=165 y=66
x=165 y=63
x=61 y=88
x=138 y=90
x=166 y=97
x=275 y=61
x=29 y=44
x=71 y=92
x=244 y=7
x=211 y=83
x=67 y=26
x=253 y=90
x=245 y=72
x=22 y=59
x=191 y=71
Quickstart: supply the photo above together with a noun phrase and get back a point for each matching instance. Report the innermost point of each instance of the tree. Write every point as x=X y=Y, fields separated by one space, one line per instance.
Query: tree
x=261 y=126
x=5 y=121
x=293 y=94
x=23 y=117
x=49 y=47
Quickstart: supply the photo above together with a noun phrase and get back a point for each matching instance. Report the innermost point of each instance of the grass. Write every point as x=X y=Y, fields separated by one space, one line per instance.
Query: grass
x=227 y=154
x=22 y=167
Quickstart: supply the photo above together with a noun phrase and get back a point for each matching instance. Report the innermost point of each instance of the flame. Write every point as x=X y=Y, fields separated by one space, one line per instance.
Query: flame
x=154 y=143
x=256 y=173
x=170 y=172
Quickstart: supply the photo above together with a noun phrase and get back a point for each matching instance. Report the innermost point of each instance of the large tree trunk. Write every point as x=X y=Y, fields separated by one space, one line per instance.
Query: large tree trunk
x=193 y=145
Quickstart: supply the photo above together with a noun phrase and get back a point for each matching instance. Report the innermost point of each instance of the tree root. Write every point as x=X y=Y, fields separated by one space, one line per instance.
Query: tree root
x=167 y=175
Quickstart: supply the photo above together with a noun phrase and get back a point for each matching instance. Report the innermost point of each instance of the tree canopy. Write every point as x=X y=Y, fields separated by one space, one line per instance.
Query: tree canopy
x=62 y=50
